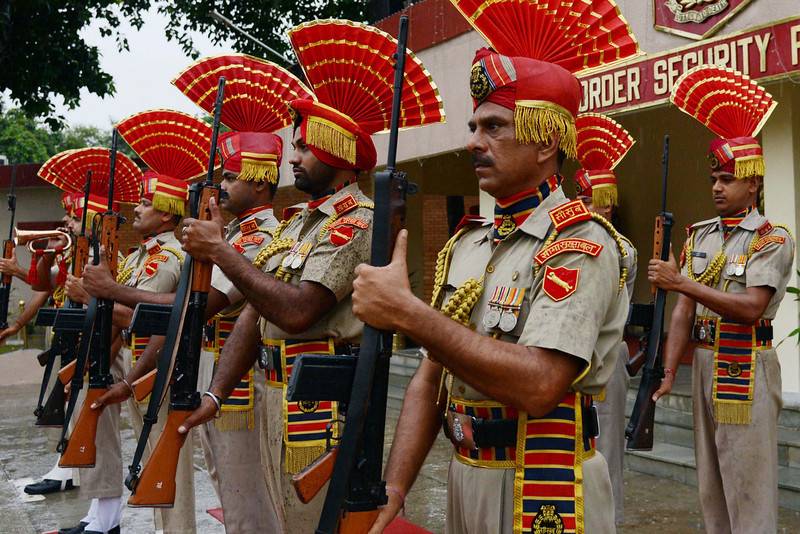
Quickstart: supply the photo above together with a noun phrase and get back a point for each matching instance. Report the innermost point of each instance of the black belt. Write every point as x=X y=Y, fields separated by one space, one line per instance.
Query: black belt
x=487 y=433
x=705 y=330
x=269 y=356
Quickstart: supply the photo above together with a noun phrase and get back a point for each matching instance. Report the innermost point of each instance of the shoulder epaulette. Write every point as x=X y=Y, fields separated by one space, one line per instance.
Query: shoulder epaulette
x=290 y=211
x=697 y=225
x=470 y=221
x=177 y=253
x=566 y=215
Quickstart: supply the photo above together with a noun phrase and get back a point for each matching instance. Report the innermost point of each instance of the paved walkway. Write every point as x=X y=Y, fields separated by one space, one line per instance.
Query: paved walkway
x=25 y=452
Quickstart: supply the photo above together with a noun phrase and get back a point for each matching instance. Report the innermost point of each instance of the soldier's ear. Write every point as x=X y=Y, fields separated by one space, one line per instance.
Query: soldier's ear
x=549 y=149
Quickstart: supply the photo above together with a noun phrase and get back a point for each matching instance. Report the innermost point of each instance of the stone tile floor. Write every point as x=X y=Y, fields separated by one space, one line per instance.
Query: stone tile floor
x=26 y=452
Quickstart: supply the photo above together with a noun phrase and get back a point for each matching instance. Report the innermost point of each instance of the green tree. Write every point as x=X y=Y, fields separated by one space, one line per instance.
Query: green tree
x=22 y=140
x=43 y=56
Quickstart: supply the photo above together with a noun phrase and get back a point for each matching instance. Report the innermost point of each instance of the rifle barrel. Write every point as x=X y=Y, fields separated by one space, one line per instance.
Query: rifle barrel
x=12 y=202
x=665 y=173
x=399 y=73
x=212 y=153
x=86 y=189
x=112 y=170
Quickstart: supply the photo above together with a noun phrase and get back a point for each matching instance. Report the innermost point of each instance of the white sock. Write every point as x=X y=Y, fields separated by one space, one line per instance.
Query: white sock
x=58 y=473
x=90 y=515
x=108 y=514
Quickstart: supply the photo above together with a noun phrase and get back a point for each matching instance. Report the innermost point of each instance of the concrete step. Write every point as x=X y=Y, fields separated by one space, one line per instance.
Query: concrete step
x=675 y=462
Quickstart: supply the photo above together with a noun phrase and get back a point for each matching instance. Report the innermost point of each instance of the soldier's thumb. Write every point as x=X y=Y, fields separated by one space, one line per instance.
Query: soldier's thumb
x=213 y=210
x=400 y=247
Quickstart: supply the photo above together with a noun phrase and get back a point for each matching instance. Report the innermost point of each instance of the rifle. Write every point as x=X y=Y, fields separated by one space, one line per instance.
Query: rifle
x=67 y=323
x=639 y=431
x=95 y=345
x=639 y=315
x=179 y=359
x=8 y=251
x=356 y=487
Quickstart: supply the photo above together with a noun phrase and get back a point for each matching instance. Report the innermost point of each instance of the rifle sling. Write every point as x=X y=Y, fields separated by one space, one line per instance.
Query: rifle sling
x=48 y=370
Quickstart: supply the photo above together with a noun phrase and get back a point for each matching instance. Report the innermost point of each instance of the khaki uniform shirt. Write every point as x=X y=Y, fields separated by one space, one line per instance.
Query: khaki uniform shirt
x=629 y=262
x=586 y=324
x=248 y=236
x=155 y=265
x=331 y=258
x=770 y=265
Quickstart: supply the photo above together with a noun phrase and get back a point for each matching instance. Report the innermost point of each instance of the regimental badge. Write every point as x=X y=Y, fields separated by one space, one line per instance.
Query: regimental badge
x=479 y=86
x=560 y=282
x=341 y=235
x=507 y=226
x=734 y=369
x=548 y=521
x=695 y=19
x=308 y=406
x=696 y=11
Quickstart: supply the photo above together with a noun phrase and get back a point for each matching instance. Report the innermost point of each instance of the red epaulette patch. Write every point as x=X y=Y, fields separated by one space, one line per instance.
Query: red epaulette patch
x=351 y=221
x=765 y=228
x=568 y=245
x=345 y=204
x=153 y=247
x=151 y=267
x=248 y=227
x=568 y=214
x=766 y=240
x=470 y=220
x=291 y=210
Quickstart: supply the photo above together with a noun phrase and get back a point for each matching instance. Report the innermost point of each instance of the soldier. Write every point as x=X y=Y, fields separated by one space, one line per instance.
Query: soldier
x=602 y=143
x=304 y=299
x=732 y=277
x=175 y=147
x=533 y=309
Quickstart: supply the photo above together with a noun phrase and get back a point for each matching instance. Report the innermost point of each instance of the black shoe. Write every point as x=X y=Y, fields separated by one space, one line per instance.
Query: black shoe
x=79 y=529
x=114 y=530
x=48 y=485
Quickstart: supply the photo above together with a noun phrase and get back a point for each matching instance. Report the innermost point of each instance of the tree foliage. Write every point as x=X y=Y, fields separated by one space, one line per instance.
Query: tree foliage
x=43 y=55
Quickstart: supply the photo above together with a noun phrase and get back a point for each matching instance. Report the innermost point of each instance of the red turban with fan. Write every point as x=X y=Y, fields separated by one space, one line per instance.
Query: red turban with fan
x=349 y=67
x=732 y=106
x=175 y=147
x=70 y=169
x=537 y=48
x=602 y=143
x=256 y=96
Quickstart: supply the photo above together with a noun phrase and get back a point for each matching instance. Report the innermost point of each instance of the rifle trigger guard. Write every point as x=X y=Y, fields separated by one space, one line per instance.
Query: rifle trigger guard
x=62 y=446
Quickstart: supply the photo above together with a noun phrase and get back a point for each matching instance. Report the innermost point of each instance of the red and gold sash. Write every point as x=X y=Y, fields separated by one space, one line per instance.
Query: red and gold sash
x=237 y=412
x=735 y=346
x=548 y=463
x=305 y=423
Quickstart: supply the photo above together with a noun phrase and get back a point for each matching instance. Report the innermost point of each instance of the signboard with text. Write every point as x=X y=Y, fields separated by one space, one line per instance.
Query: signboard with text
x=695 y=19
x=763 y=53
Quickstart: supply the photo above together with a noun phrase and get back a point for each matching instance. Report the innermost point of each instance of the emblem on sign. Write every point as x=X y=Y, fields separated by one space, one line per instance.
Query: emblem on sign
x=560 y=282
x=695 y=19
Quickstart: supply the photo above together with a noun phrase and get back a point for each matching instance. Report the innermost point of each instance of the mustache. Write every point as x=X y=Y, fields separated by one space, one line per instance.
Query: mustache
x=481 y=160
x=298 y=169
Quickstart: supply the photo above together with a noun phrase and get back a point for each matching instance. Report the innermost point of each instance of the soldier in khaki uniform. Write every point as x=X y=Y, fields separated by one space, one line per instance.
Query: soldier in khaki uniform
x=154 y=269
x=303 y=300
x=602 y=143
x=733 y=275
x=526 y=319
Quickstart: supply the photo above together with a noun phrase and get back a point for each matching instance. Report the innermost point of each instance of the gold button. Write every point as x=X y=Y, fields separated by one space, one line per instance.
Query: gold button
x=490 y=269
x=515 y=275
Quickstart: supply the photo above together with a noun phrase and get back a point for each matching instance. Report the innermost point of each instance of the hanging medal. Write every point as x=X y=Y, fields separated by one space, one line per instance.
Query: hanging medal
x=740 y=263
x=731 y=269
x=301 y=255
x=511 y=308
x=492 y=317
x=289 y=258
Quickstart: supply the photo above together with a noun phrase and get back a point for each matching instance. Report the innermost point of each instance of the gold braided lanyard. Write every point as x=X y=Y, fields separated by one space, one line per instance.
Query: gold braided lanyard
x=125 y=273
x=282 y=244
x=605 y=223
x=460 y=305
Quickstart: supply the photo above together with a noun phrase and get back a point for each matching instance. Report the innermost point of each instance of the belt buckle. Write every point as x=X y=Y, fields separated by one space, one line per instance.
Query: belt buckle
x=264 y=360
x=461 y=430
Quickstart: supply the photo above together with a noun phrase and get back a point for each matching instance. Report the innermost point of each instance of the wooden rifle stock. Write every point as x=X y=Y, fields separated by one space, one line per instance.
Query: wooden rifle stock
x=201 y=275
x=81 y=257
x=81 y=450
x=310 y=480
x=357 y=522
x=66 y=373
x=156 y=484
x=144 y=385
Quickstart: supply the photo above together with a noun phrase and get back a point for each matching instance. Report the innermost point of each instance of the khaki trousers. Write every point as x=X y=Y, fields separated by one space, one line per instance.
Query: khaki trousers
x=737 y=465
x=481 y=500
x=234 y=464
x=105 y=478
x=180 y=519
x=611 y=441
x=294 y=516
